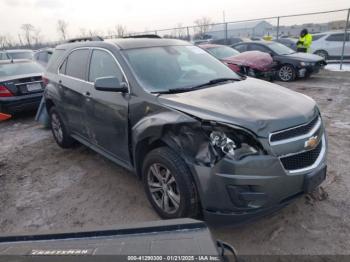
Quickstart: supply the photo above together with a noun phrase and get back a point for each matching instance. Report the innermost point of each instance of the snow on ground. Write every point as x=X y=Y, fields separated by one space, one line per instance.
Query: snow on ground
x=336 y=67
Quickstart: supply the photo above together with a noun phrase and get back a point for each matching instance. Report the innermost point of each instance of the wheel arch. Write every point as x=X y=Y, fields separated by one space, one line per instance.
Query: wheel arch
x=292 y=64
x=49 y=104
x=321 y=50
x=161 y=129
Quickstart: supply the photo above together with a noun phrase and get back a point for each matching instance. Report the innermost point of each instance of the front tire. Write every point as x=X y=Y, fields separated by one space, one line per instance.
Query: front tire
x=287 y=73
x=169 y=185
x=322 y=53
x=59 y=130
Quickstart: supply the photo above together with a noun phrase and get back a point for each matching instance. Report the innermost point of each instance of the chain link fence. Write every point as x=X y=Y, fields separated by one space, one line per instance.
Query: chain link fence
x=284 y=29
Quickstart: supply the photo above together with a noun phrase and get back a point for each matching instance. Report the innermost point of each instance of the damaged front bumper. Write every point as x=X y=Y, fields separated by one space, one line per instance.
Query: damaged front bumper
x=240 y=191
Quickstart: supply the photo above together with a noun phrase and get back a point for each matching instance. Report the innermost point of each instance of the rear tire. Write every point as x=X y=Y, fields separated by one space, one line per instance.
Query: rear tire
x=59 y=130
x=169 y=185
x=287 y=73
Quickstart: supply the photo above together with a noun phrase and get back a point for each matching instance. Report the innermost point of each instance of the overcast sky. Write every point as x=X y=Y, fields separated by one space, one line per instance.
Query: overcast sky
x=141 y=15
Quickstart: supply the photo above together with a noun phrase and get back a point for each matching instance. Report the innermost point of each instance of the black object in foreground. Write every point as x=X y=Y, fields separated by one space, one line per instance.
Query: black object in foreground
x=166 y=240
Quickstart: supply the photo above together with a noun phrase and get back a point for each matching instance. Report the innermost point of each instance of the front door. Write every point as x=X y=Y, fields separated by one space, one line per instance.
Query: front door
x=107 y=112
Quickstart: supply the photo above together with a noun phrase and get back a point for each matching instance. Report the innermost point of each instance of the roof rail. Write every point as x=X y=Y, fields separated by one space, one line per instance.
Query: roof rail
x=143 y=36
x=84 y=39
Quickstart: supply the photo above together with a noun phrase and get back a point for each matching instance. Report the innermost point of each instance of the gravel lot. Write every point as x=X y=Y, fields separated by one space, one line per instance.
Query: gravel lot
x=43 y=187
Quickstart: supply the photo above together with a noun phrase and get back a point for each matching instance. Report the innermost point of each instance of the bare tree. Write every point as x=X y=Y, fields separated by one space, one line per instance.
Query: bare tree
x=37 y=37
x=2 y=41
x=28 y=30
x=83 y=32
x=92 y=33
x=120 y=30
x=20 y=40
x=202 y=25
x=179 y=32
x=62 y=27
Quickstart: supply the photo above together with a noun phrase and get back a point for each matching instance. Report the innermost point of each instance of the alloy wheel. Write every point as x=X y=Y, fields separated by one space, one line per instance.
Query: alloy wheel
x=56 y=127
x=163 y=188
x=285 y=73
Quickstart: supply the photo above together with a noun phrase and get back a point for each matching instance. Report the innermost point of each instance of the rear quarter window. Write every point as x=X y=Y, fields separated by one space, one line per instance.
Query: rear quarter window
x=55 y=60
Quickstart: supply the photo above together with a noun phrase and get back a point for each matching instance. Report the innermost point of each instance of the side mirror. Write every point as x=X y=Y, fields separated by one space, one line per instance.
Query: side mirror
x=110 y=84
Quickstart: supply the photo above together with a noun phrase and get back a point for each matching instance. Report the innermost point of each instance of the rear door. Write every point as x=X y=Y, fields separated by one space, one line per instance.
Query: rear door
x=107 y=112
x=334 y=43
x=74 y=89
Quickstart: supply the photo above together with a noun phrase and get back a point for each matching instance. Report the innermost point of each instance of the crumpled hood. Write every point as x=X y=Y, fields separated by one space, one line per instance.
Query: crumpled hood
x=254 y=59
x=306 y=57
x=259 y=106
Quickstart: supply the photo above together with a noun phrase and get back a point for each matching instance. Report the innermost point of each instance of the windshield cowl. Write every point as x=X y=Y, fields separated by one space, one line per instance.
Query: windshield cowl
x=213 y=82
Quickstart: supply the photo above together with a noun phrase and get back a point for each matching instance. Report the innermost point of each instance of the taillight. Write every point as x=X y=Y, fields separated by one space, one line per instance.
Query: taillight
x=45 y=81
x=4 y=92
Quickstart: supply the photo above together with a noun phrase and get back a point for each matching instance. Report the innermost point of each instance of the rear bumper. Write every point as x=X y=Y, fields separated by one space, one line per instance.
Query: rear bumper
x=16 y=104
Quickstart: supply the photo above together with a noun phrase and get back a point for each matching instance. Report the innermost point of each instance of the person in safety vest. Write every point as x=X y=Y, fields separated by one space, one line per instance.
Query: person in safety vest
x=305 y=41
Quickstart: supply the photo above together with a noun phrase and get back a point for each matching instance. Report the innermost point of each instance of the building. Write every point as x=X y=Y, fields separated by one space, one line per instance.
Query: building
x=244 y=29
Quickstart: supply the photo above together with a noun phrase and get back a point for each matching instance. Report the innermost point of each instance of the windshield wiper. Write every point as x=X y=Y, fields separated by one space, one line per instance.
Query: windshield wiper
x=188 y=89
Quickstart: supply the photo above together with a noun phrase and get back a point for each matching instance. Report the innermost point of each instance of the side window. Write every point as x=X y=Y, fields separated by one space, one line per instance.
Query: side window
x=335 y=38
x=241 y=48
x=102 y=65
x=316 y=37
x=258 y=48
x=76 y=63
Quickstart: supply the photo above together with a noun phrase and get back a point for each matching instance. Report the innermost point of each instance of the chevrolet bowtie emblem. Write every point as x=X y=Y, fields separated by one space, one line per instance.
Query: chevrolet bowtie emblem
x=311 y=142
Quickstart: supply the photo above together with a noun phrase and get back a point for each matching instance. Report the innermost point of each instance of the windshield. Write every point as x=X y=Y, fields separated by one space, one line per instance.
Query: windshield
x=280 y=49
x=21 y=55
x=171 y=67
x=222 y=52
x=20 y=69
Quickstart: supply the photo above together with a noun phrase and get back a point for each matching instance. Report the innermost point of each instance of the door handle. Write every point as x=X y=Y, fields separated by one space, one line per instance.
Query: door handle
x=87 y=93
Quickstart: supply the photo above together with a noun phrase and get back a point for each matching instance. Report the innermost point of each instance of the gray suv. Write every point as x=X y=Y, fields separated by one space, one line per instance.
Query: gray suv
x=203 y=139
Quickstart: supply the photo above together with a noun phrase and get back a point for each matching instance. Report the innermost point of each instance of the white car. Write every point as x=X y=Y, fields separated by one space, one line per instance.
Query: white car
x=329 y=44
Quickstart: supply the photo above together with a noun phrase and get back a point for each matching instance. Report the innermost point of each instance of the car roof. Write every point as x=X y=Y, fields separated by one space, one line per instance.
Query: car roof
x=330 y=32
x=262 y=42
x=205 y=46
x=126 y=43
x=15 y=61
x=47 y=49
x=18 y=50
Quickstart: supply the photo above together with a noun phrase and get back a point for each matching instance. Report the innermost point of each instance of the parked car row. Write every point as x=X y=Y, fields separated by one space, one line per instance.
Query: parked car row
x=21 y=85
x=329 y=45
x=252 y=63
x=16 y=54
x=292 y=64
x=260 y=59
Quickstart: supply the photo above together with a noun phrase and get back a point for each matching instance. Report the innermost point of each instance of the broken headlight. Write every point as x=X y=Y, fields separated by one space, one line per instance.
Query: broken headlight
x=235 y=144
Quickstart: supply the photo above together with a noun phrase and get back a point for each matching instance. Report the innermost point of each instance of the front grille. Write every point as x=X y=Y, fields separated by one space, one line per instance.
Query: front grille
x=302 y=160
x=294 y=132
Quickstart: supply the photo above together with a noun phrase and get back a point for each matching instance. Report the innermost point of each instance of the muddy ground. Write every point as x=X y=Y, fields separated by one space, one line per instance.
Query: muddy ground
x=43 y=187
